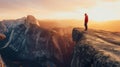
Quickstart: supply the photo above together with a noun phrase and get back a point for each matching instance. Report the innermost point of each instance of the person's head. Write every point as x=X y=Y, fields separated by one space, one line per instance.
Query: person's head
x=85 y=14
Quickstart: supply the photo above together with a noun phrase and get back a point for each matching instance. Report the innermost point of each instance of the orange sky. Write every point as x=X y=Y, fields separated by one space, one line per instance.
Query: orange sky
x=98 y=10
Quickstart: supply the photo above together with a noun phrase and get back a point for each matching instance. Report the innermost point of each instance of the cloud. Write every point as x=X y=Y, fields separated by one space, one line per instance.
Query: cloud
x=53 y=5
x=46 y=8
x=66 y=4
x=14 y=8
x=110 y=0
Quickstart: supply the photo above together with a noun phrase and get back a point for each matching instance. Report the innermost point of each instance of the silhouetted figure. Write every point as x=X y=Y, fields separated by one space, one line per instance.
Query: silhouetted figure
x=86 y=22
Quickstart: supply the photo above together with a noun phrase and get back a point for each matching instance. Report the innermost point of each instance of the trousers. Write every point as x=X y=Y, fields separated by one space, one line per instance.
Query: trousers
x=86 y=26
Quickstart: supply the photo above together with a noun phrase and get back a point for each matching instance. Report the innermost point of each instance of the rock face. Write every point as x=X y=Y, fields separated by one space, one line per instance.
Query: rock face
x=95 y=49
x=28 y=45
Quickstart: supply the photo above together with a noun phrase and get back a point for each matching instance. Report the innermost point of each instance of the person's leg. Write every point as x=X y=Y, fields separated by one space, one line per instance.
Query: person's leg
x=85 y=26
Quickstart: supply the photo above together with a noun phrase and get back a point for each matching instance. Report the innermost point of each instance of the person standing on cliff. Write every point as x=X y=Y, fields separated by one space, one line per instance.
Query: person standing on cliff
x=86 y=22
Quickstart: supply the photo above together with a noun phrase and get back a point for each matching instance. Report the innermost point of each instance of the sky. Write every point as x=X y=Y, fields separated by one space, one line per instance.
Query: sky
x=97 y=10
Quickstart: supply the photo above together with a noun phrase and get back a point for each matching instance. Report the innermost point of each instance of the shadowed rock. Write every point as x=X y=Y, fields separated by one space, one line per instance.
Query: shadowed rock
x=77 y=34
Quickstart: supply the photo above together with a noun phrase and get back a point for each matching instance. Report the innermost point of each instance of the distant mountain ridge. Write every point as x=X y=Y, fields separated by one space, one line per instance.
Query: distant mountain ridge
x=30 y=45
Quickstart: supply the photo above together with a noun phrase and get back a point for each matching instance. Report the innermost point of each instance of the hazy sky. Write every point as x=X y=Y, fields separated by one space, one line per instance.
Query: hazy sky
x=98 y=10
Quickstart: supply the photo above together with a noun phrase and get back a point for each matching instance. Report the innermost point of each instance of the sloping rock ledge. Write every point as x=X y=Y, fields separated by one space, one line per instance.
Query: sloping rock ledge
x=89 y=53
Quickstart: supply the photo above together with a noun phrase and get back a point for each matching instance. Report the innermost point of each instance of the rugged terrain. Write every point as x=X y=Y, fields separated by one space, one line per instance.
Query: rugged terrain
x=27 y=42
x=96 y=48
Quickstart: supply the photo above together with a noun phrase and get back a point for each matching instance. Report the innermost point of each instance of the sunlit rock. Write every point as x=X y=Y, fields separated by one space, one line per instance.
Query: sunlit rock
x=31 y=20
x=2 y=36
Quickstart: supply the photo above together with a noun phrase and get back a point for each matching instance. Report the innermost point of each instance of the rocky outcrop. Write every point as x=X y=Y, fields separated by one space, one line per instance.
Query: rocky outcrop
x=31 y=20
x=1 y=63
x=2 y=36
x=95 y=49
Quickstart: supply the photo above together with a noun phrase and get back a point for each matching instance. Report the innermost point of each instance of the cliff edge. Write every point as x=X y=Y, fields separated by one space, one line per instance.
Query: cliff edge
x=95 y=48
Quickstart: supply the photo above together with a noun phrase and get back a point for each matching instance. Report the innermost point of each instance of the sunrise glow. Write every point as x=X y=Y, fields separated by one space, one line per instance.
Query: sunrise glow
x=98 y=10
